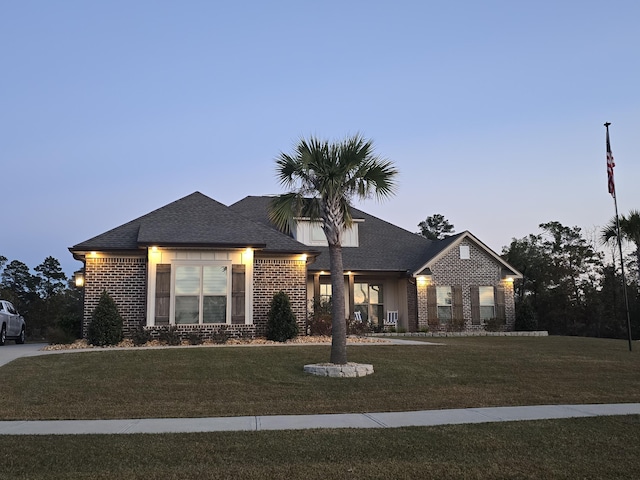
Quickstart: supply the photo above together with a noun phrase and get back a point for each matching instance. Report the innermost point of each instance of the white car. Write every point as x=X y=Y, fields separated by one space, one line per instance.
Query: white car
x=12 y=324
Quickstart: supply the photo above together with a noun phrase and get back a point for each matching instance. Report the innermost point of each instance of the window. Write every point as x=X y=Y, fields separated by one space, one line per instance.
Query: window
x=325 y=293
x=464 y=252
x=311 y=233
x=317 y=234
x=487 y=303
x=444 y=301
x=201 y=294
x=368 y=300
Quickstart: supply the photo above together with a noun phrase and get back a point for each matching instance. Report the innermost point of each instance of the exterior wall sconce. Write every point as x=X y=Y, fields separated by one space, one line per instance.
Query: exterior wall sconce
x=78 y=278
x=507 y=275
x=154 y=254
x=247 y=256
x=425 y=277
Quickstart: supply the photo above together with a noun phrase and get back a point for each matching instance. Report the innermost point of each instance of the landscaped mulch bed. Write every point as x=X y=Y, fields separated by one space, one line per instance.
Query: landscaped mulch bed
x=300 y=340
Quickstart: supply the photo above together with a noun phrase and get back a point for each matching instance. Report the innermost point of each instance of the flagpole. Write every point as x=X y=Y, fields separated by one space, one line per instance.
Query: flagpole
x=612 y=191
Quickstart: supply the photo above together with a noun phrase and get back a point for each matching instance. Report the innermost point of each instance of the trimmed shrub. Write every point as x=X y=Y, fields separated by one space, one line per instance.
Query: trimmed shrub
x=494 y=325
x=455 y=325
x=140 y=337
x=319 y=322
x=221 y=336
x=356 y=327
x=281 y=322
x=170 y=336
x=195 y=338
x=106 y=323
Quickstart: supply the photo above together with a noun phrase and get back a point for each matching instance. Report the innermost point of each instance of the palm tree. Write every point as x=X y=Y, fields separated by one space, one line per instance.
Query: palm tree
x=629 y=230
x=323 y=178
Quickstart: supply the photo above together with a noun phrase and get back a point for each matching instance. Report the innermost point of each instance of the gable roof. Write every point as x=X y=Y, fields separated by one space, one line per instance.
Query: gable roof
x=453 y=242
x=383 y=247
x=193 y=221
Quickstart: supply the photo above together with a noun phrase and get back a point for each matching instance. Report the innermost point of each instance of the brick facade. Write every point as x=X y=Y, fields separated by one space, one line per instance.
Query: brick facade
x=270 y=275
x=479 y=269
x=125 y=280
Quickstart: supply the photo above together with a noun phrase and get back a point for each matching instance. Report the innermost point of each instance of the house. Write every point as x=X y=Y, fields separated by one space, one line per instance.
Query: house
x=206 y=267
x=394 y=277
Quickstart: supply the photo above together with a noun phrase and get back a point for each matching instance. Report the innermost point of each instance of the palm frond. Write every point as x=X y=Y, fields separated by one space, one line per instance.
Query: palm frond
x=283 y=209
x=332 y=173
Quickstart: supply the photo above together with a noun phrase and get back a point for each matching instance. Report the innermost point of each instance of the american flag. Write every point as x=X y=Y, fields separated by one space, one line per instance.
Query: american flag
x=610 y=165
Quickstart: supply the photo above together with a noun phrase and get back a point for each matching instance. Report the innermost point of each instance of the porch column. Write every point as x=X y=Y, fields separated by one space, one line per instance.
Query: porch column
x=316 y=288
x=351 y=306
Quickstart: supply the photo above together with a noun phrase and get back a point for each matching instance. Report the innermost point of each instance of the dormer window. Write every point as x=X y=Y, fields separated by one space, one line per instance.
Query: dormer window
x=311 y=233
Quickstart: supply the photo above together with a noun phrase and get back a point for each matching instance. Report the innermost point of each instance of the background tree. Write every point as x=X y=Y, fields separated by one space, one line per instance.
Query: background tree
x=19 y=285
x=51 y=305
x=52 y=279
x=561 y=277
x=436 y=227
x=324 y=178
x=629 y=231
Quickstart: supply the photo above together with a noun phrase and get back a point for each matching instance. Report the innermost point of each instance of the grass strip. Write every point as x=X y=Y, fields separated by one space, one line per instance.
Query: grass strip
x=586 y=448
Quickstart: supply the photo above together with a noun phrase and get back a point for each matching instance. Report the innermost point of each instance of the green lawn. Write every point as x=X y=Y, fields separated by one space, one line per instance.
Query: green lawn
x=199 y=382
x=584 y=448
x=463 y=372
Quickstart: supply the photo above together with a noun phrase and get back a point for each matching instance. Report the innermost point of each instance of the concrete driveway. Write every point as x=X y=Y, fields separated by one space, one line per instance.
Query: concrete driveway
x=10 y=351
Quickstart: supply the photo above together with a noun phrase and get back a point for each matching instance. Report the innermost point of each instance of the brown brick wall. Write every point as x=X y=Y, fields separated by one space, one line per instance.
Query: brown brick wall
x=215 y=332
x=125 y=280
x=480 y=269
x=270 y=275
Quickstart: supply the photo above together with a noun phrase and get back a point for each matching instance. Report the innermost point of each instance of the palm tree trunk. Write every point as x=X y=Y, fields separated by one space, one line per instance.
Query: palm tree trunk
x=338 y=324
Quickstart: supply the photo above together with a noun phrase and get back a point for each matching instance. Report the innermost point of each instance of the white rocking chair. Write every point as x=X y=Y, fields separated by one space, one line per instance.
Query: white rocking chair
x=392 y=319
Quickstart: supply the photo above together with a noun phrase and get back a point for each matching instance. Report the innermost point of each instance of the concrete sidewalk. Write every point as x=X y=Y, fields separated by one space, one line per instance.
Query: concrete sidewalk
x=301 y=422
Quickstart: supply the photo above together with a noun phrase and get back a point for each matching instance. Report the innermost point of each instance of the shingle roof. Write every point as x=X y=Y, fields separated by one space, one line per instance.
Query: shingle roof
x=382 y=245
x=193 y=221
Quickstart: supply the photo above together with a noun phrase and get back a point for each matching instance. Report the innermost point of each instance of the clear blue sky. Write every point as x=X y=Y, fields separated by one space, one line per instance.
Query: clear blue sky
x=492 y=111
